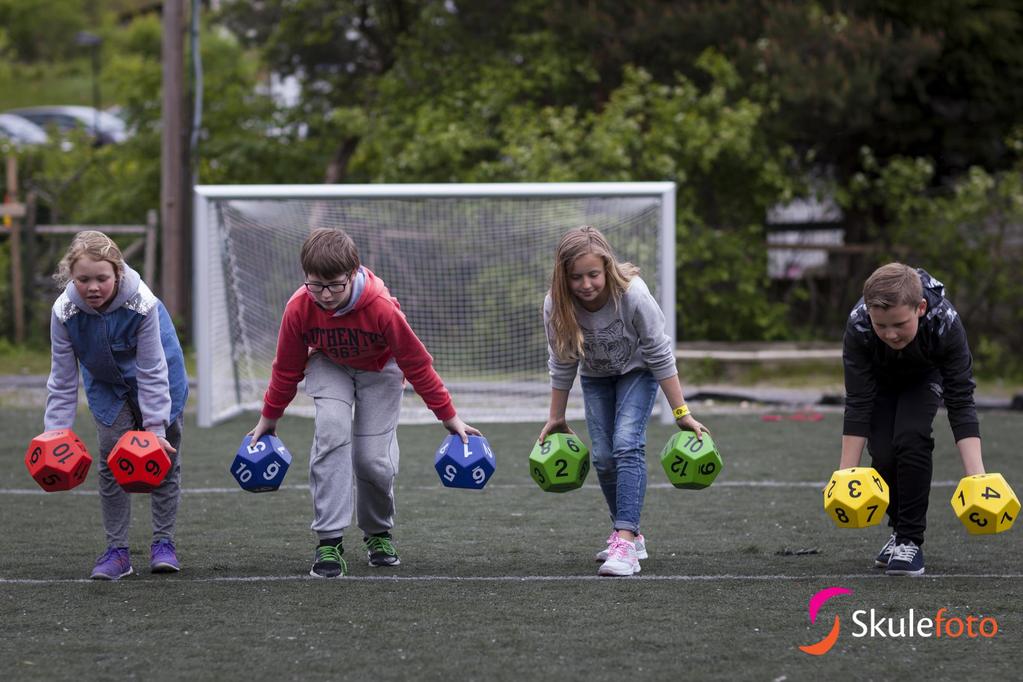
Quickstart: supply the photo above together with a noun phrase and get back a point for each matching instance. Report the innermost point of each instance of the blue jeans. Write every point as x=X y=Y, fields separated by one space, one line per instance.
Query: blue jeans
x=617 y=411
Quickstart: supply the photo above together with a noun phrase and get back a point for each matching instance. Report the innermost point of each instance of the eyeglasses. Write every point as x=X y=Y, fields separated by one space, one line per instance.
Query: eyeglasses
x=335 y=287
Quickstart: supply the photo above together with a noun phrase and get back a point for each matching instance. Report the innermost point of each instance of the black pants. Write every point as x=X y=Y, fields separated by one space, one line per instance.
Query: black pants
x=901 y=446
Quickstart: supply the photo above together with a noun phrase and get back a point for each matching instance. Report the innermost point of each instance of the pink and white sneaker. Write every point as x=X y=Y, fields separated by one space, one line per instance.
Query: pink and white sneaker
x=621 y=559
x=640 y=547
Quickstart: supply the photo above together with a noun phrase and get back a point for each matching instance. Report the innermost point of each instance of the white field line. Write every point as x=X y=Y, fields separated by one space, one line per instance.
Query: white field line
x=727 y=577
x=719 y=484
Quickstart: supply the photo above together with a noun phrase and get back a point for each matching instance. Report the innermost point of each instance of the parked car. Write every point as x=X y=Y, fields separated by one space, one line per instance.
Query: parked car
x=21 y=131
x=105 y=127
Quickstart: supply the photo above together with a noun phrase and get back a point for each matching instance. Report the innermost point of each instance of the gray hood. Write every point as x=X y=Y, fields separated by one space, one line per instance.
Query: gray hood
x=127 y=287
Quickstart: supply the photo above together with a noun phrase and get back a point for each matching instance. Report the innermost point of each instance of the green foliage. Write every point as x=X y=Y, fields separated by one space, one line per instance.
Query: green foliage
x=491 y=125
x=460 y=101
x=24 y=85
x=839 y=74
x=969 y=235
x=41 y=30
x=962 y=100
x=721 y=285
x=24 y=359
x=243 y=139
x=737 y=102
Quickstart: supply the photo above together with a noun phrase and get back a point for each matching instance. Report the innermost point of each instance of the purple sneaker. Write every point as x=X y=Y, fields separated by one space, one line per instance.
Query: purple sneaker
x=113 y=564
x=163 y=558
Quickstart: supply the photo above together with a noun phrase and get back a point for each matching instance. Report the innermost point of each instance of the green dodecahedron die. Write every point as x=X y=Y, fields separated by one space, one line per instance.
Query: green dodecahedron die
x=560 y=463
x=690 y=463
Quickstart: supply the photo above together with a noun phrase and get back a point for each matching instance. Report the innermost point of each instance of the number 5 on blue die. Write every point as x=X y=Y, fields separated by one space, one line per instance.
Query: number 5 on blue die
x=464 y=465
x=261 y=467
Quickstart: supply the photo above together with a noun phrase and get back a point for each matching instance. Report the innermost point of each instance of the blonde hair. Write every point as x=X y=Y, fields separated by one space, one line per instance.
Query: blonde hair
x=96 y=246
x=566 y=335
x=329 y=253
x=892 y=285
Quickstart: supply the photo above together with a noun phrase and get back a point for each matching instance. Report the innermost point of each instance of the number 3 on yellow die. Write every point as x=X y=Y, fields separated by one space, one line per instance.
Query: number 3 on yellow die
x=985 y=504
x=856 y=497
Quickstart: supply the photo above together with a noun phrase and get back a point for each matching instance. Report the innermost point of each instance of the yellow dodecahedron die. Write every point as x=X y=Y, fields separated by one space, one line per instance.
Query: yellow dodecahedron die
x=856 y=497
x=985 y=504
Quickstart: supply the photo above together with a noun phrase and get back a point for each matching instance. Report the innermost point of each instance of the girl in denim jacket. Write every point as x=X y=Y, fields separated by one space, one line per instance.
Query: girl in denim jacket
x=110 y=326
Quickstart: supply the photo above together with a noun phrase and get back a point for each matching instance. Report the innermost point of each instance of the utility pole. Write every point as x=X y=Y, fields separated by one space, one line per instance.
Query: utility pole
x=173 y=221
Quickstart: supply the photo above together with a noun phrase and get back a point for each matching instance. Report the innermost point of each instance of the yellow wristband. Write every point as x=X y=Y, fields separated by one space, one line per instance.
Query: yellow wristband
x=680 y=411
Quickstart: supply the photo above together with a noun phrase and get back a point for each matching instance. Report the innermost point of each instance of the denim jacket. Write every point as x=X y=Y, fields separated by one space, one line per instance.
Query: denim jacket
x=130 y=351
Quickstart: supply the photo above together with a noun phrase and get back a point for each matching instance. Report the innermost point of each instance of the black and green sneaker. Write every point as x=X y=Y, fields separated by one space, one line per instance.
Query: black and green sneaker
x=381 y=551
x=328 y=563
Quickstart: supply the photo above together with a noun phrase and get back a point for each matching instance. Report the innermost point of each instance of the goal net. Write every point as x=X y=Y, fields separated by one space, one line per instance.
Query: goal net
x=470 y=265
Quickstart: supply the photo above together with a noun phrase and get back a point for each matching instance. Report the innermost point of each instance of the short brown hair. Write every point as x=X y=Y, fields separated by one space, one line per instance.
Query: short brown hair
x=892 y=285
x=328 y=253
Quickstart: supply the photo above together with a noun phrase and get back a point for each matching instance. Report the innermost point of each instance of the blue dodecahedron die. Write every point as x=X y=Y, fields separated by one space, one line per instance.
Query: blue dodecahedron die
x=260 y=468
x=464 y=465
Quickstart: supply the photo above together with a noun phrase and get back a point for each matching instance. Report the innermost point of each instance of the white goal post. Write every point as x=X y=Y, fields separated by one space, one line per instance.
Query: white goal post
x=469 y=263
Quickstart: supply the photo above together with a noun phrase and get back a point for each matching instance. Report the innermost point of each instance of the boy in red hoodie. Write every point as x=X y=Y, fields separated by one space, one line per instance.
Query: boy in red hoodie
x=344 y=332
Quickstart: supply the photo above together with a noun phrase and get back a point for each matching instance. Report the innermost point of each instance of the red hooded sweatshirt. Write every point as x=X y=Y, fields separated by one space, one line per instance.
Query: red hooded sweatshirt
x=366 y=338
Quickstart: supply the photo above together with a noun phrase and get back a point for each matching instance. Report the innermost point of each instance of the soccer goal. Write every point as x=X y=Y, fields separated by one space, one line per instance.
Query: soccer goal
x=469 y=263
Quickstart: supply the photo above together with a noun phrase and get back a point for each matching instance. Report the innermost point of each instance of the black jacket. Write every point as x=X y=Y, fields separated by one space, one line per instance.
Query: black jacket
x=940 y=345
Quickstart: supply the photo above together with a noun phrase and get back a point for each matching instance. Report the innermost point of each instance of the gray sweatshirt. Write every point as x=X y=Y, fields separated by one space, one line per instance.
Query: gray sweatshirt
x=150 y=365
x=616 y=340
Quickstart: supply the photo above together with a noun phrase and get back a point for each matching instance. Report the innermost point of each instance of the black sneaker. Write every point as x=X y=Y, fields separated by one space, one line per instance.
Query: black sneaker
x=381 y=551
x=881 y=561
x=328 y=563
x=907 y=559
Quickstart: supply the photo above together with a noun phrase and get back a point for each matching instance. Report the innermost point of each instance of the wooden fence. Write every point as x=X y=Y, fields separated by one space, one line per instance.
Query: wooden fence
x=19 y=227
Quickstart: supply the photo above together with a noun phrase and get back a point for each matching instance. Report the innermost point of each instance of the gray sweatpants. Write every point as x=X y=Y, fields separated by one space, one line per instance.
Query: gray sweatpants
x=363 y=445
x=116 y=503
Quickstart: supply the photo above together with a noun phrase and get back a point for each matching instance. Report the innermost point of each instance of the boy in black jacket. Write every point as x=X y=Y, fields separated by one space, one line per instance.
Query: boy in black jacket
x=904 y=352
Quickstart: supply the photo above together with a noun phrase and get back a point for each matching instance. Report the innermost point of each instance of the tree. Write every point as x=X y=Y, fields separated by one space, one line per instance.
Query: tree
x=484 y=91
x=334 y=49
x=969 y=234
x=245 y=137
x=942 y=79
x=742 y=102
x=491 y=124
x=43 y=30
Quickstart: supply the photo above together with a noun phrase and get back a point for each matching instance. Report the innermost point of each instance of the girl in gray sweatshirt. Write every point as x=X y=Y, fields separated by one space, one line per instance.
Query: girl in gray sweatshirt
x=603 y=323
